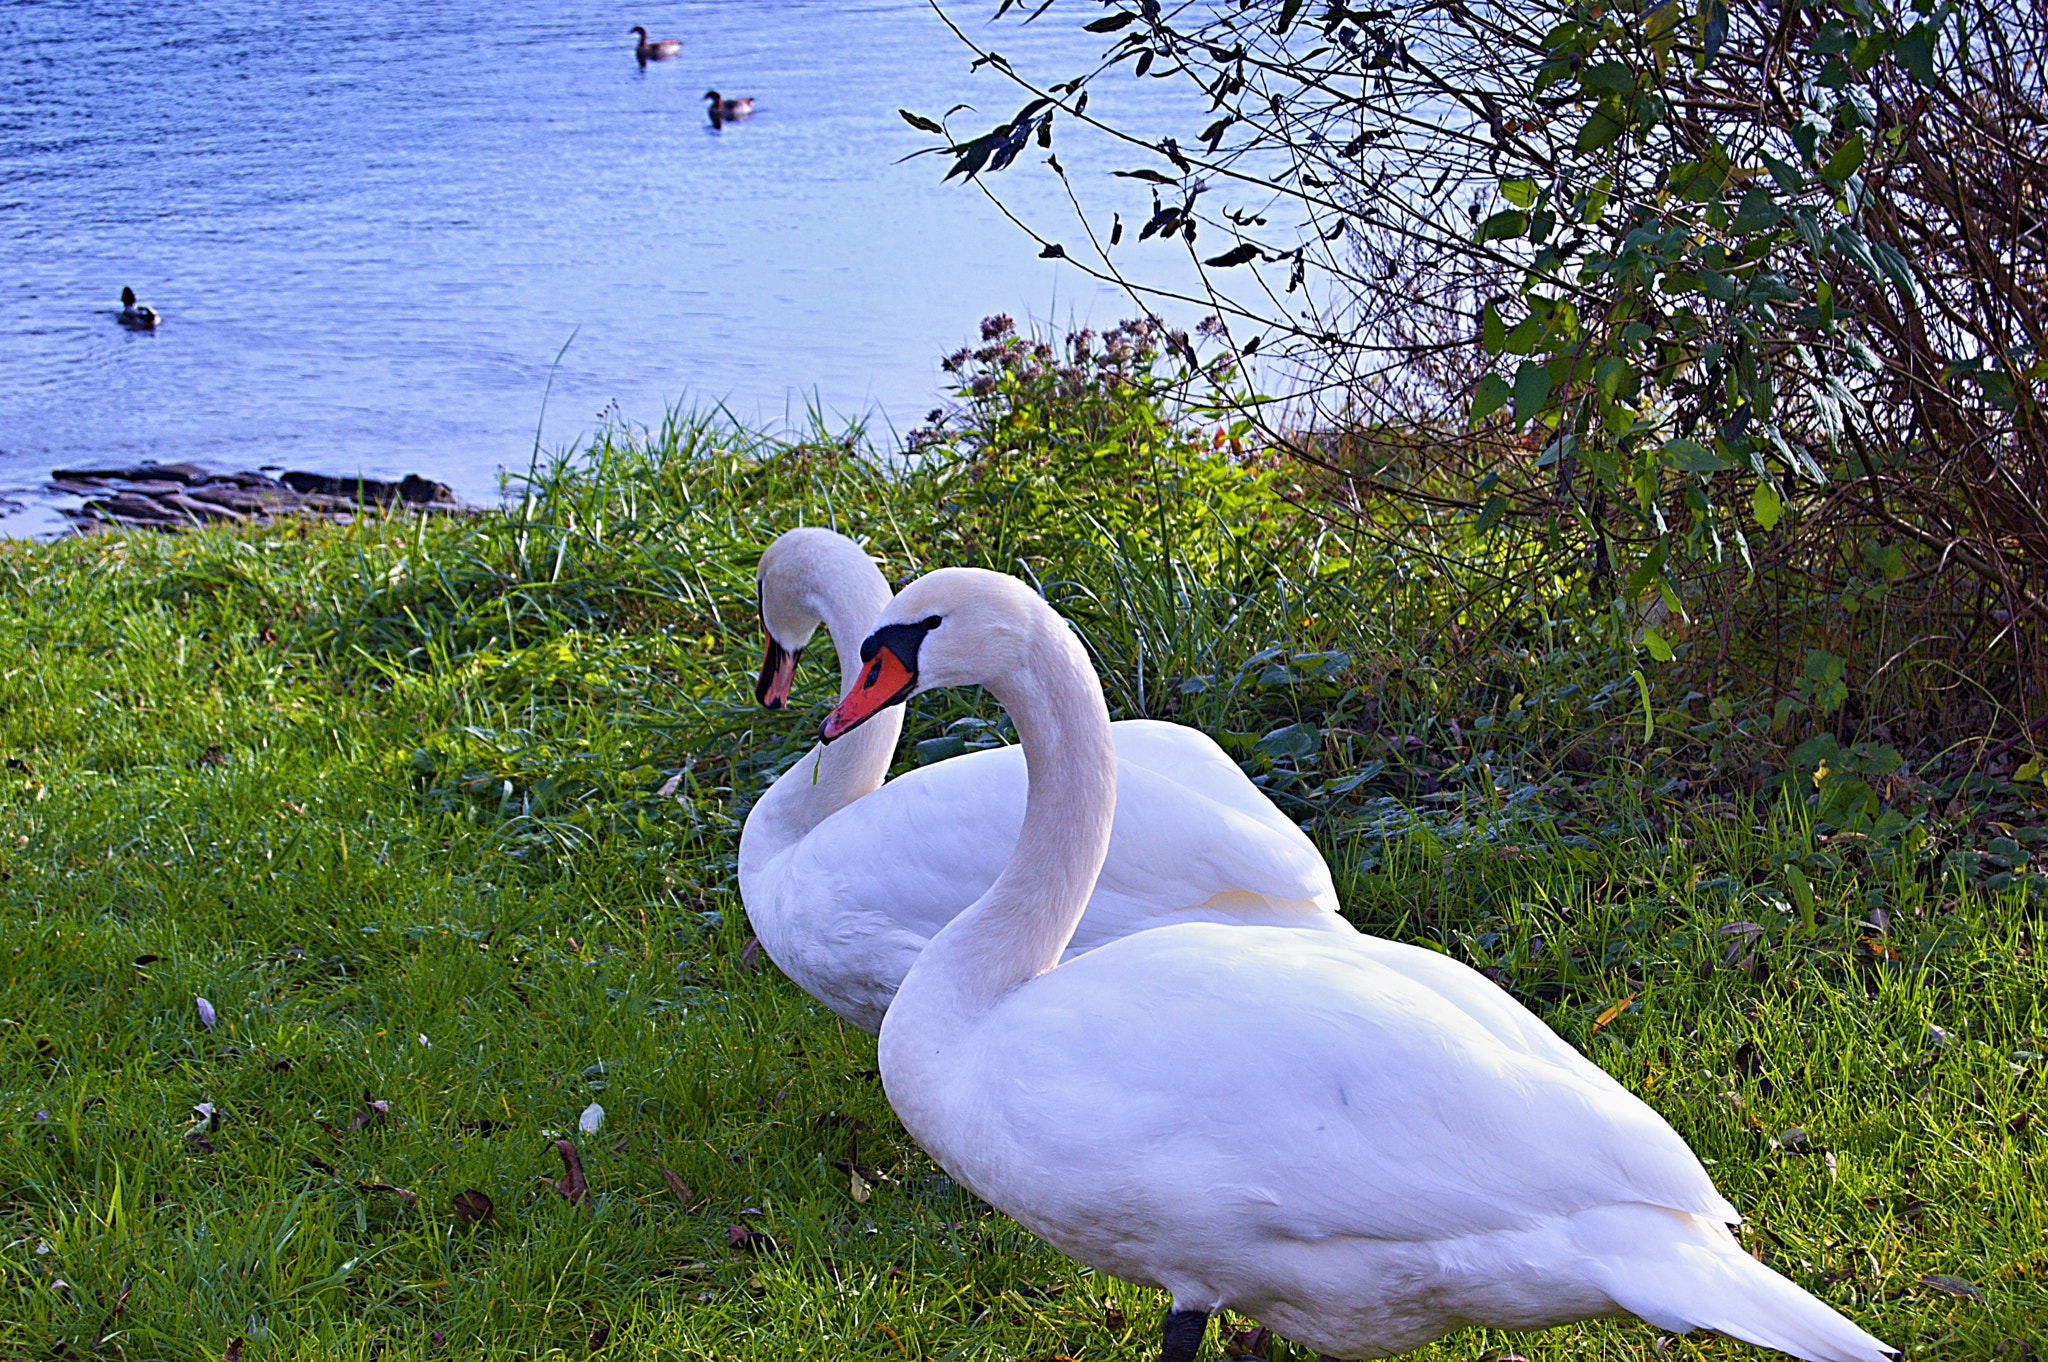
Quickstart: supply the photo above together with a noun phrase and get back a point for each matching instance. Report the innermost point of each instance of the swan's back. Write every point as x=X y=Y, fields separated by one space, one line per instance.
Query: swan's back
x=846 y=911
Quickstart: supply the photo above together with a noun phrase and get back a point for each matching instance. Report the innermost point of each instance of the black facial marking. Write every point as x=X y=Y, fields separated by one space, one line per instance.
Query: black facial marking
x=901 y=639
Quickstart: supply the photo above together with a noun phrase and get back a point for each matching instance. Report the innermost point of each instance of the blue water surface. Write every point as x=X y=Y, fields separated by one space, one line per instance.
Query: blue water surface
x=372 y=227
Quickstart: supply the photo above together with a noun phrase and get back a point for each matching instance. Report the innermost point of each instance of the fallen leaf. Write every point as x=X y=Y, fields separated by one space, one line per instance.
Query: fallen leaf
x=146 y=959
x=1614 y=1010
x=572 y=1186
x=410 y=1199
x=471 y=1207
x=200 y=1143
x=1112 y=1315
x=371 y=1112
x=748 y=1241
x=599 y=1335
x=233 y=1352
x=676 y=1186
x=592 y=1119
x=859 y=1187
x=1954 y=1286
x=749 y=953
x=206 y=1013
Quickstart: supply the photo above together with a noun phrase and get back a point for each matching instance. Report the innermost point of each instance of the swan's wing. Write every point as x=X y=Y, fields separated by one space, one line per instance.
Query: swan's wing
x=1190 y=758
x=846 y=910
x=1177 y=855
x=1479 y=998
x=1246 y=1081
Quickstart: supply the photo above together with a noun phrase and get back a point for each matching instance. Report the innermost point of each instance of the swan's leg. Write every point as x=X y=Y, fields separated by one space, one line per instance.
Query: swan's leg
x=1182 y=1335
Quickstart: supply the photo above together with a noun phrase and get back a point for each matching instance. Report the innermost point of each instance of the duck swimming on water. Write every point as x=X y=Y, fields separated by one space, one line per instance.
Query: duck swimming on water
x=724 y=110
x=137 y=317
x=654 y=51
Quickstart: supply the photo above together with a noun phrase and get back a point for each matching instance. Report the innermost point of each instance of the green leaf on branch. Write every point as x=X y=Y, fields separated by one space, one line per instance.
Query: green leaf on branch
x=1493 y=332
x=1915 y=51
x=1713 y=30
x=1659 y=649
x=1489 y=396
x=1112 y=23
x=1766 y=505
x=1286 y=20
x=1611 y=375
x=1649 y=570
x=1491 y=514
x=1521 y=193
x=1505 y=225
x=1846 y=161
x=1532 y=389
x=1601 y=129
x=1689 y=456
x=1784 y=172
x=1150 y=176
x=918 y=121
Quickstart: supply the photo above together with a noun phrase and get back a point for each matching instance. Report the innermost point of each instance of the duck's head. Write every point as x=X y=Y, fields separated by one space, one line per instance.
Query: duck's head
x=127 y=296
x=639 y=30
x=952 y=627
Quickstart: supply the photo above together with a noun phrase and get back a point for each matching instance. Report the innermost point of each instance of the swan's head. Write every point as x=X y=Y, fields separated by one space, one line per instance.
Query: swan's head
x=639 y=30
x=805 y=576
x=952 y=627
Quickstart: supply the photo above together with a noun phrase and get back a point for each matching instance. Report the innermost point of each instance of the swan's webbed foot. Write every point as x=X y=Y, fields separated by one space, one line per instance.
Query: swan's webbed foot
x=1182 y=1336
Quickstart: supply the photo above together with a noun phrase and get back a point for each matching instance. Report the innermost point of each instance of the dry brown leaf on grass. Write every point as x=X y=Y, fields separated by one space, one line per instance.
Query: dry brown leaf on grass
x=233 y=1352
x=744 y=1240
x=750 y=953
x=471 y=1207
x=572 y=1186
x=676 y=1186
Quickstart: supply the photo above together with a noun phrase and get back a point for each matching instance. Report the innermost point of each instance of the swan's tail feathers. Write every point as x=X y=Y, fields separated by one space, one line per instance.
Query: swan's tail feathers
x=1681 y=1271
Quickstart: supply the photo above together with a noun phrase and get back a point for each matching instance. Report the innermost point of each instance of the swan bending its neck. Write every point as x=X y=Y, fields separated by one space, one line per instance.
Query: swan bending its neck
x=809 y=577
x=965 y=626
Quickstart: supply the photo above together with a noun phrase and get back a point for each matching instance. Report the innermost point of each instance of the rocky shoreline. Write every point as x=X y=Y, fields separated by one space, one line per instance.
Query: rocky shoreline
x=179 y=496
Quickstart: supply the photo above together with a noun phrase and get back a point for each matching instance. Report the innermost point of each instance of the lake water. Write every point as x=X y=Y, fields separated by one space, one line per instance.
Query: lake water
x=372 y=227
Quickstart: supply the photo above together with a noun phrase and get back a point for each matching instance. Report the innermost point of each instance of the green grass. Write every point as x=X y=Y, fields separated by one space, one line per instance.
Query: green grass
x=390 y=797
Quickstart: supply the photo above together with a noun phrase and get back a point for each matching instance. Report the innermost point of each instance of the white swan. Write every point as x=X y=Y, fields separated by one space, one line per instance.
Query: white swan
x=1194 y=840
x=1387 y=1169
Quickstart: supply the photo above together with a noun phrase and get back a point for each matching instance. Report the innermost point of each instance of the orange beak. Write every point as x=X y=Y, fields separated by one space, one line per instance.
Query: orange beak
x=883 y=682
x=778 y=669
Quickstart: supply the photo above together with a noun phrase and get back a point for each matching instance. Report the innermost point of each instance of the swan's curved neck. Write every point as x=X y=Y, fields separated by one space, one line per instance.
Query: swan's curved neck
x=1021 y=925
x=827 y=779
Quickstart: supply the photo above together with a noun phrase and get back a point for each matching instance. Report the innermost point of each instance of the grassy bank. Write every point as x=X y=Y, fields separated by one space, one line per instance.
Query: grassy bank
x=440 y=820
